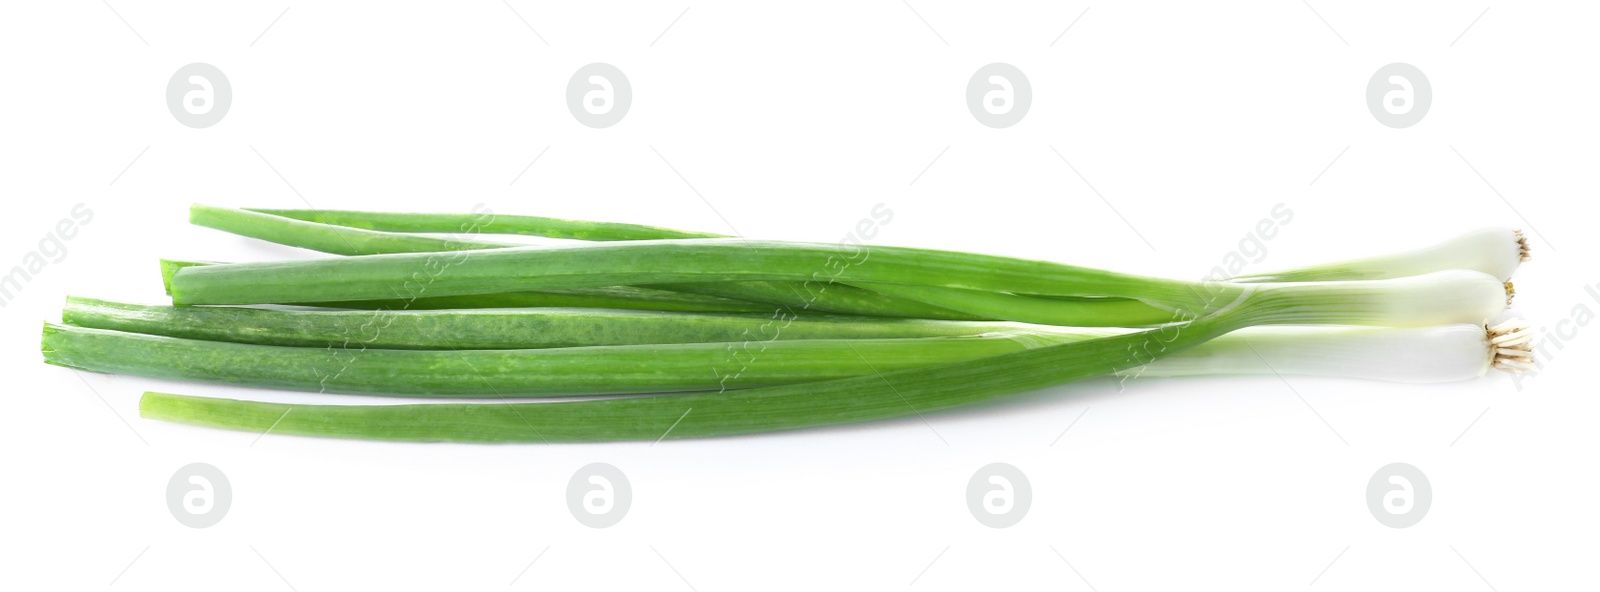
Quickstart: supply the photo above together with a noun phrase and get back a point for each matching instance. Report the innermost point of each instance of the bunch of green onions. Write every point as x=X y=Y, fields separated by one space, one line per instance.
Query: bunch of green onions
x=647 y=333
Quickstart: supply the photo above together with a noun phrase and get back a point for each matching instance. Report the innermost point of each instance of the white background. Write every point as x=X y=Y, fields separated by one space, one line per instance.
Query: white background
x=790 y=121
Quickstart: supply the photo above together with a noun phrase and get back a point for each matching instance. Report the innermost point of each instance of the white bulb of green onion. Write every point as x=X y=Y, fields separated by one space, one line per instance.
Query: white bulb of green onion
x=1413 y=355
x=1494 y=251
x=1438 y=298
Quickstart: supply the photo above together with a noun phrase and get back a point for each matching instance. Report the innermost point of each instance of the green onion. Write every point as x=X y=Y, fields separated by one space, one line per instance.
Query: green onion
x=1428 y=354
x=326 y=238
x=815 y=295
x=617 y=297
x=698 y=379
x=716 y=260
x=880 y=395
x=648 y=262
x=712 y=260
x=351 y=367
x=1494 y=251
x=508 y=328
x=486 y=223
x=808 y=294
x=596 y=370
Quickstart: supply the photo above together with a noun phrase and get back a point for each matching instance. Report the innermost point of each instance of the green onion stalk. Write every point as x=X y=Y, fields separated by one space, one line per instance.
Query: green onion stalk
x=1430 y=354
x=810 y=294
x=876 y=396
x=483 y=373
x=497 y=328
x=819 y=293
x=1495 y=251
x=717 y=260
x=882 y=394
x=613 y=297
x=485 y=222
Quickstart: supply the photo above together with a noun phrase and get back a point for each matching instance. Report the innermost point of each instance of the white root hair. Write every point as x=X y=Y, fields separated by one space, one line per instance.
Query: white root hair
x=1511 y=346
